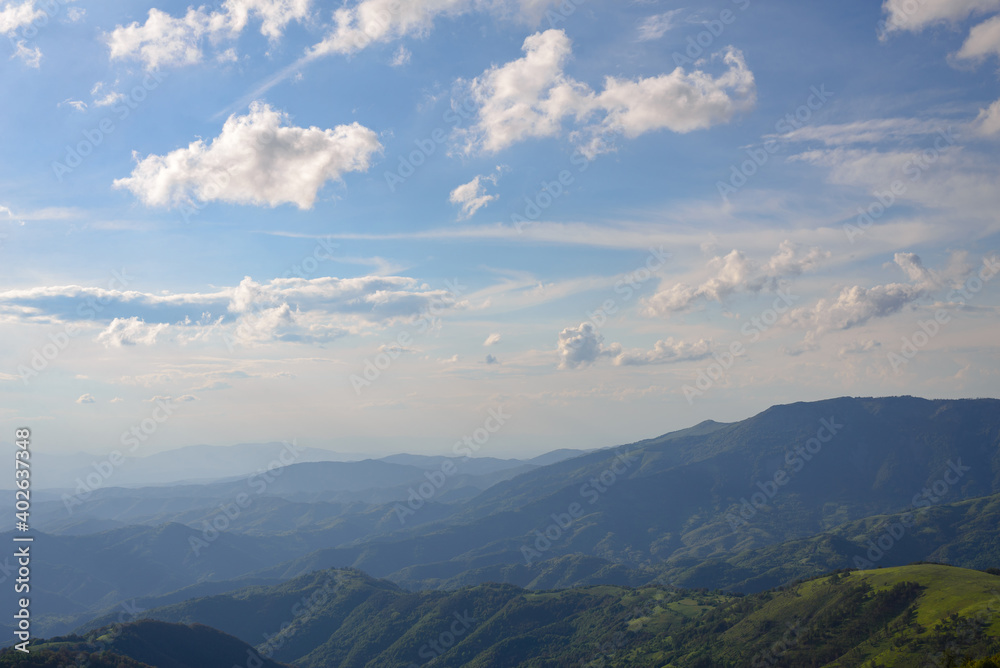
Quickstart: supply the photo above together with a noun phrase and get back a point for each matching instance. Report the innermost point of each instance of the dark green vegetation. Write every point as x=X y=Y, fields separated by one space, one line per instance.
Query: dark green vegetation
x=140 y=645
x=910 y=616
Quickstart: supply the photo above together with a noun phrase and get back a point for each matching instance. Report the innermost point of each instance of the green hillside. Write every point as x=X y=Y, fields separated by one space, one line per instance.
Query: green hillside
x=887 y=617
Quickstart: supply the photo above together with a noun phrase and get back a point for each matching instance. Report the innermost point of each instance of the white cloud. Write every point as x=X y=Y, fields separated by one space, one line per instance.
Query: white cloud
x=163 y=40
x=581 y=346
x=915 y=15
x=472 y=196
x=656 y=26
x=736 y=273
x=983 y=40
x=492 y=340
x=168 y=41
x=30 y=56
x=256 y=159
x=129 y=332
x=855 y=306
x=400 y=57
x=86 y=399
x=103 y=97
x=370 y=298
x=13 y=17
x=183 y=399
x=274 y=15
x=79 y=105
x=531 y=98
x=872 y=131
x=988 y=122
x=666 y=352
x=75 y=14
x=381 y=21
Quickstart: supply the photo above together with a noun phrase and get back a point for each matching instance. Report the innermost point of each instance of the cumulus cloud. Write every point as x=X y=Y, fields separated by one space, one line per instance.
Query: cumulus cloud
x=256 y=159
x=735 y=273
x=532 y=97
x=380 y=21
x=656 y=26
x=492 y=340
x=914 y=16
x=168 y=41
x=579 y=347
x=857 y=305
x=87 y=399
x=472 y=196
x=983 y=40
x=15 y=16
x=668 y=351
x=130 y=332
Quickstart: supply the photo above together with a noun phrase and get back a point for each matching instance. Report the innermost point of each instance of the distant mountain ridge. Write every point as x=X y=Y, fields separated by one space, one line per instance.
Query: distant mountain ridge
x=213 y=463
x=627 y=515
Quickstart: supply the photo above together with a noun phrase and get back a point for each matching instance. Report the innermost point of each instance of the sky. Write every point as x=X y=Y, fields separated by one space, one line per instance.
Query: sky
x=374 y=225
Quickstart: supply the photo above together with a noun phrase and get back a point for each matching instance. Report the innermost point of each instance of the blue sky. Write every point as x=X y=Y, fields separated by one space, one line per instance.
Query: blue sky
x=611 y=219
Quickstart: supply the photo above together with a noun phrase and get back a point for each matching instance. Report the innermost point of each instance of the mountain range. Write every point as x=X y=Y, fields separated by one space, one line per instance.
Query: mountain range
x=742 y=509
